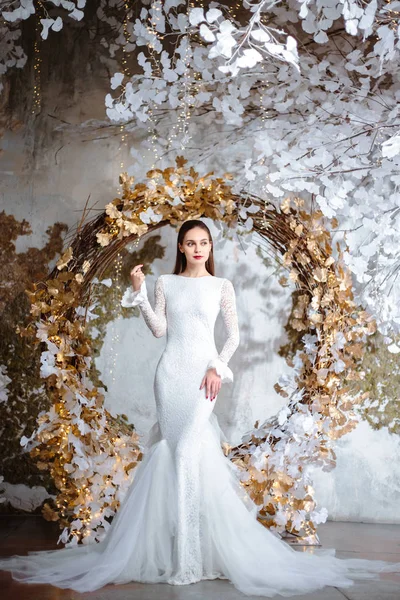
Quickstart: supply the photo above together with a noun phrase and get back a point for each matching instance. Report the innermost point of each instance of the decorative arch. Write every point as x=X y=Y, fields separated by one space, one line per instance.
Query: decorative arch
x=92 y=456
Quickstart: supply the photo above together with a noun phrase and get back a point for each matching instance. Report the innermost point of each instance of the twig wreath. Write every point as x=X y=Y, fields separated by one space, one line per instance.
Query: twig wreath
x=92 y=457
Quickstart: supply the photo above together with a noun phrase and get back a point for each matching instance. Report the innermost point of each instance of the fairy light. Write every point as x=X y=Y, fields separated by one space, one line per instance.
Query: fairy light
x=235 y=9
x=181 y=127
x=393 y=17
x=263 y=87
x=152 y=29
x=125 y=70
x=37 y=62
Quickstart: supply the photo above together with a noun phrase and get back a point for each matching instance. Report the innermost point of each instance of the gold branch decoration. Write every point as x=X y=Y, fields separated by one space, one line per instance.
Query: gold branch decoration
x=92 y=457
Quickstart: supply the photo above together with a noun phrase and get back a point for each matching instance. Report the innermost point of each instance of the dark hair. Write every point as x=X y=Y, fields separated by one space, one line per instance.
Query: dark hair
x=180 y=261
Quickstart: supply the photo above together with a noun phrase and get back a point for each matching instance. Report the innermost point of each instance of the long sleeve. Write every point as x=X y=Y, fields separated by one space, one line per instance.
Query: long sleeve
x=229 y=315
x=156 y=319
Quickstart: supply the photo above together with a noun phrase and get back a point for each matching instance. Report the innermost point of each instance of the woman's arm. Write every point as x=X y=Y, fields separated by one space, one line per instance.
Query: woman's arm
x=229 y=314
x=156 y=319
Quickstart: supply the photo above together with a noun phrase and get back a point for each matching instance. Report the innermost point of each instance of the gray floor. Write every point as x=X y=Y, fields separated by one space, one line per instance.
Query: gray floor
x=351 y=540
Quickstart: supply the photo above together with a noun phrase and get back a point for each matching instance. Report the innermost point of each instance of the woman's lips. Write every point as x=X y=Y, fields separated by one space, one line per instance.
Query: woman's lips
x=198 y=257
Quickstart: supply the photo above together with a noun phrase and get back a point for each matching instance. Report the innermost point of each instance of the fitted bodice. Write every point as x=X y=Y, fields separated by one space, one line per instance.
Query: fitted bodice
x=185 y=310
x=192 y=307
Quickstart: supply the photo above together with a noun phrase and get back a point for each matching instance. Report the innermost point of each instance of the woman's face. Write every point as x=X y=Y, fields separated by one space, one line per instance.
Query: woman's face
x=196 y=243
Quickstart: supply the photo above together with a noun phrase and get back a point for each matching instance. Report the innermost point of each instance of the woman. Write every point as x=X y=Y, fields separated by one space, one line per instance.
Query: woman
x=186 y=516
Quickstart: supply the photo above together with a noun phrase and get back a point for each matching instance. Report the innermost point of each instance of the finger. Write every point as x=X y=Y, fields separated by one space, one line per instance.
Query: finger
x=202 y=383
x=216 y=389
x=136 y=268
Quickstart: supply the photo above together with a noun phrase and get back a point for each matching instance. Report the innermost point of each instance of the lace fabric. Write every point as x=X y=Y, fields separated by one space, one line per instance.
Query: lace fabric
x=157 y=322
x=229 y=315
x=155 y=319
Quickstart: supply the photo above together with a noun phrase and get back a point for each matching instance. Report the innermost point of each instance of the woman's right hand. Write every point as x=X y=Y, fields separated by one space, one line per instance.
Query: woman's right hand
x=137 y=277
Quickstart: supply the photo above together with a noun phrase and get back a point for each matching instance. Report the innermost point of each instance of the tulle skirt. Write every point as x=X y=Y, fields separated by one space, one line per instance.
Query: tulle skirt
x=141 y=542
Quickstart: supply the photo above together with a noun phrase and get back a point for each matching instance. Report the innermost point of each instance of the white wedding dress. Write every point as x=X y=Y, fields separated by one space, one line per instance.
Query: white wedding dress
x=186 y=517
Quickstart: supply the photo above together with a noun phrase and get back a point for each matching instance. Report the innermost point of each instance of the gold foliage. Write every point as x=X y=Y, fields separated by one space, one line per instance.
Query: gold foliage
x=193 y=196
x=26 y=392
x=336 y=329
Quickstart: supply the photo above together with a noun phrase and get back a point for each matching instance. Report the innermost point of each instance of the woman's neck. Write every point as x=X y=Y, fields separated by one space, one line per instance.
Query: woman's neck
x=193 y=272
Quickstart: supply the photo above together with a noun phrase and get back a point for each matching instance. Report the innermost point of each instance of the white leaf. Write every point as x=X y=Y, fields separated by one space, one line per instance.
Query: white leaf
x=170 y=75
x=250 y=57
x=109 y=101
x=196 y=16
x=391 y=147
x=57 y=25
x=351 y=26
x=46 y=24
x=394 y=349
x=260 y=35
x=304 y=10
x=213 y=14
x=321 y=37
x=206 y=33
x=76 y=14
x=107 y=282
x=116 y=80
x=274 y=48
x=368 y=17
x=291 y=44
x=226 y=27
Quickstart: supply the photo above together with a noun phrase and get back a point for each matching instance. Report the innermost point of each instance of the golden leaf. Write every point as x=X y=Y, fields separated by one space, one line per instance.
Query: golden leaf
x=130 y=466
x=320 y=274
x=49 y=514
x=180 y=161
x=316 y=318
x=299 y=230
x=103 y=238
x=279 y=390
x=124 y=179
x=283 y=281
x=112 y=211
x=65 y=259
x=285 y=206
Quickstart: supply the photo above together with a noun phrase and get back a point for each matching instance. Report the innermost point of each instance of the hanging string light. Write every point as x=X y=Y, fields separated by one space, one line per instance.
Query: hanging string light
x=152 y=28
x=117 y=292
x=37 y=62
x=125 y=71
x=180 y=129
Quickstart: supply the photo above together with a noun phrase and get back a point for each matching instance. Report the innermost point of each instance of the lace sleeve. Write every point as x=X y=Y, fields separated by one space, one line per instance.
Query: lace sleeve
x=229 y=315
x=156 y=319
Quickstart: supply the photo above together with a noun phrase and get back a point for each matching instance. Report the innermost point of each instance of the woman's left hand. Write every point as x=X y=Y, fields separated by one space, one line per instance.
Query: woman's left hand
x=212 y=381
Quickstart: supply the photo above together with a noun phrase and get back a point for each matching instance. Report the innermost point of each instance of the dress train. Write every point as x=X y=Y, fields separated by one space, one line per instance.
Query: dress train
x=140 y=542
